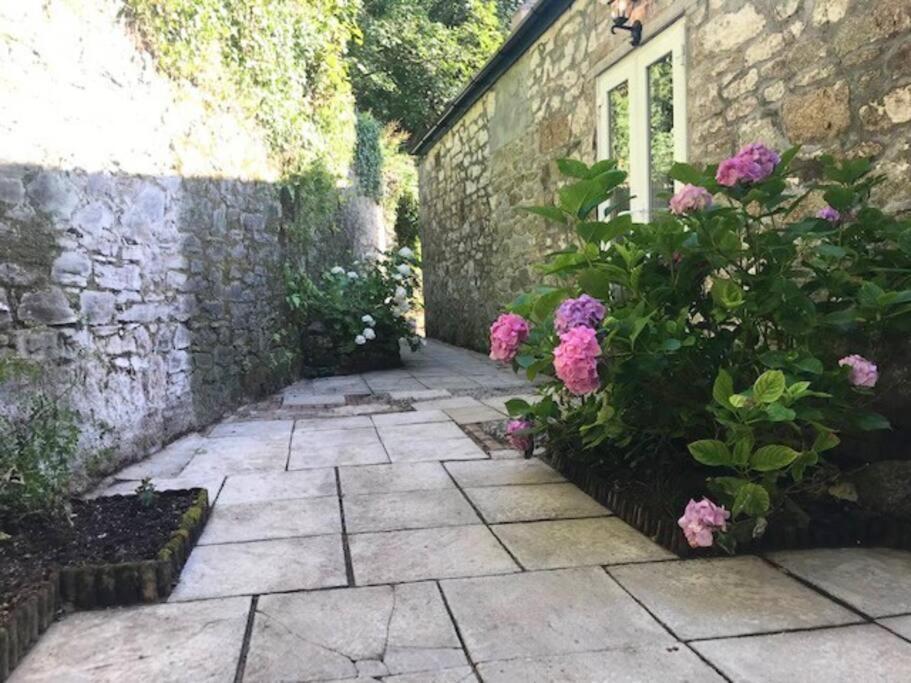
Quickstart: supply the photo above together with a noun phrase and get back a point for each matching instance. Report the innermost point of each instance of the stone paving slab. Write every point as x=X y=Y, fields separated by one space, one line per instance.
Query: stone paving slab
x=899 y=625
x=506 y=454
x=397 y=556
x=498 y=403
x=262 y=567
x=558 y=612
x=578 y=543
x=338 y=634
x=418 y=476
x=876 y=581
x=462 y=674
x=408 y=510
x=414 y=417
x=332 y=423
x=727 y=597
x=334 y=437
x=262 y=487
x=254 y=429
x=634 y=664
x=526 y=503
x=313 y=400
x=418 y=394
x=311 y=456
x=503 y=472
x=235 y=455
x=125 y=488
x=420 y=432
x=444 y=403
x=472 y=415
x=434 y=449
x=849 y=655
x=168 y=462
x=274 y=519
x=198 y=642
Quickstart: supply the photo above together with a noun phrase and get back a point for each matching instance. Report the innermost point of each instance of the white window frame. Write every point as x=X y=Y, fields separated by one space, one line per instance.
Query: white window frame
x=633 y=69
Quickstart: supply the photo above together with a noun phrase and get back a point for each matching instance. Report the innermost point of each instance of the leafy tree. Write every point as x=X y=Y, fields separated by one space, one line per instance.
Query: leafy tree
x=414 y=55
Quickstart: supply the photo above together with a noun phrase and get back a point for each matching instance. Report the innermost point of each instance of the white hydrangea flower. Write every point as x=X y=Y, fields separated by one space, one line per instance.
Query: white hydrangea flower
x=403 y=269
x=368 y=320
x=352 y=275
x=405 y=252
x=337 y=270
x=369 y=334
x=412 y=324
x=401 y=293
x=360 y=340
x=397 y=276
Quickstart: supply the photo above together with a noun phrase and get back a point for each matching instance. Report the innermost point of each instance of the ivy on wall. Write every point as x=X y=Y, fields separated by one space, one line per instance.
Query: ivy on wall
x=368 y=156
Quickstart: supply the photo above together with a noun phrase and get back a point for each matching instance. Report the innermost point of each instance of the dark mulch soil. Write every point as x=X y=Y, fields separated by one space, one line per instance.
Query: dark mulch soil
x=103 y=531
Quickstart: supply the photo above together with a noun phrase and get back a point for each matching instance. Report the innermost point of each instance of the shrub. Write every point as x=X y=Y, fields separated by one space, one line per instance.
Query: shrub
x=356 y=310
x=730 y=289
x=38 y=439
x=368 y=157
x=406 y=221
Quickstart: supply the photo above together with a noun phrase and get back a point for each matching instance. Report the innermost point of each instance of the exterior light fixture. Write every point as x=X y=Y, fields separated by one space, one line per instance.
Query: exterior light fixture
x=620 y=14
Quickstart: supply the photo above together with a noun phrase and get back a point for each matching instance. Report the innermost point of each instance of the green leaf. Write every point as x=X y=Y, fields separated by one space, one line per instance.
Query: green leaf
x=729 y=485
x=869 y=421
x=779 y=413
x=547 y=302
x=711 y=452
x=769 y=387
x=799 y=466
x=525 y=360
x=844 y=490
x=825 y=441
x=601 y=167
x=517 y=407
x=595 y=282
x=738 y=400
x=772 y=458
x=686 y=173
x=599 y=231
x=670 y=345
x=723 y=388
x=726 y=293
x=743 y=449
x=751 y=499
x=809 y=364
x=551 y=213
x=573 y=168
x=839 y=198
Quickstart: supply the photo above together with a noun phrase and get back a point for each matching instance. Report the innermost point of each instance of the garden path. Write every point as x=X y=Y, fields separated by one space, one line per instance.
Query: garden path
x=365 y=529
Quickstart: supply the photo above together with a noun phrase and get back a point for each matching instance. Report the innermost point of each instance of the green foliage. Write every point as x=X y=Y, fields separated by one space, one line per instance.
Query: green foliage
x=744 y=293
x=352 y=311
x=368 y=156
x=407 y=221
x=281 y=60
x=146 y=492
x=415 y=56
x=38 y=439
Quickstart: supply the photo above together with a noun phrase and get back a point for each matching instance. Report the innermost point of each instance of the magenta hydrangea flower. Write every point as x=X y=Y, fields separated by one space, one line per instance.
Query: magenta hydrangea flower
x=690 y=198
x=829 y=214
x=582 y=312
x=576 y=360
x=521 y=442
x=863 y=373
x=753 y=163
x=506 y=335
x=701 y=520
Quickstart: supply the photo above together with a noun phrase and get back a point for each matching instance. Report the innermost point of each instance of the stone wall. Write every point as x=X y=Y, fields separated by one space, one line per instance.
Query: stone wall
x=833 y=75
x=140 y=231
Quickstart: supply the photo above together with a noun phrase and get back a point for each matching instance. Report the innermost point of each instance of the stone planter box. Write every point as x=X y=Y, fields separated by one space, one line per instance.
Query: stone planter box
x=871 y=530
x=94 y=586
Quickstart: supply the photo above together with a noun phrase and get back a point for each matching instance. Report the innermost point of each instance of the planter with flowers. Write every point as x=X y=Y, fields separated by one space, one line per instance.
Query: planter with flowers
x=716 y=374
x=355 y=319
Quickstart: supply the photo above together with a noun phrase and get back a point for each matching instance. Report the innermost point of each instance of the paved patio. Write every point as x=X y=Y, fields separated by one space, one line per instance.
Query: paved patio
x=360 y=533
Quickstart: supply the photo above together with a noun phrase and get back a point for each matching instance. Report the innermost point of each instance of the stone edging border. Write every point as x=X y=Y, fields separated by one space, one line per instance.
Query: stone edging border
x=877 y=531
x=104 y=585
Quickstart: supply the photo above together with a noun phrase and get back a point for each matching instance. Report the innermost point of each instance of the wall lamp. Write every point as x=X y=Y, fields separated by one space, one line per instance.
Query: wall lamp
x=620 y=14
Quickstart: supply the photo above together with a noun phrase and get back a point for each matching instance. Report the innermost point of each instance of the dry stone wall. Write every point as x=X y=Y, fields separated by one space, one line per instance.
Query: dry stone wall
x=832 y=75
x=141 y=240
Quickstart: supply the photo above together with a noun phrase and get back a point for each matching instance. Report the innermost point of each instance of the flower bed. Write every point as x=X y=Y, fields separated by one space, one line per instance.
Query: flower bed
x=716 y=361
x=356 y=319
x=119 y=551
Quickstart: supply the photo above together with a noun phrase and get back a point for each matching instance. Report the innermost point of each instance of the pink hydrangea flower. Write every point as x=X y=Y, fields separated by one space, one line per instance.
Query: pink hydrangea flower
x=582 y=312
x=576 y=360
x=521 y=442
x=701 y=520
x=506 y=335
x=863 y=373
x=753 y=163
x=690 y=198
x=829 y=214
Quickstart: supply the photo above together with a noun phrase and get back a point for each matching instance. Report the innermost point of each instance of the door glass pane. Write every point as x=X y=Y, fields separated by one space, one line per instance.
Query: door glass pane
x=618 y=140
x=660 y=130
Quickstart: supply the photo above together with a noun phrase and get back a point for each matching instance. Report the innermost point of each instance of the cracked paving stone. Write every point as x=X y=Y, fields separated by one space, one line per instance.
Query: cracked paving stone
x=339 y=634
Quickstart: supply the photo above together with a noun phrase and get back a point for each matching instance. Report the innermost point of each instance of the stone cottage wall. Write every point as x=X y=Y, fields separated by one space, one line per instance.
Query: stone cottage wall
x=832 y=75
x=140 y=231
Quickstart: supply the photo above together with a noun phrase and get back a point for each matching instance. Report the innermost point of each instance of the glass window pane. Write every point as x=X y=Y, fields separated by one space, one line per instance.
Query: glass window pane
x=618 y=139
x=660 y=130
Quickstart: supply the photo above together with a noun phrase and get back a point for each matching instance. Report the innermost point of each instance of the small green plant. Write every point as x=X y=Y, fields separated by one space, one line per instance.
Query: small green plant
x=146 y=492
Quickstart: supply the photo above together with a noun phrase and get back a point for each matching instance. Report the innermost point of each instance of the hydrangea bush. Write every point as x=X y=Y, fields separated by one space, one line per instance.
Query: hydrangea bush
x=362 y=309
x=738 y=329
